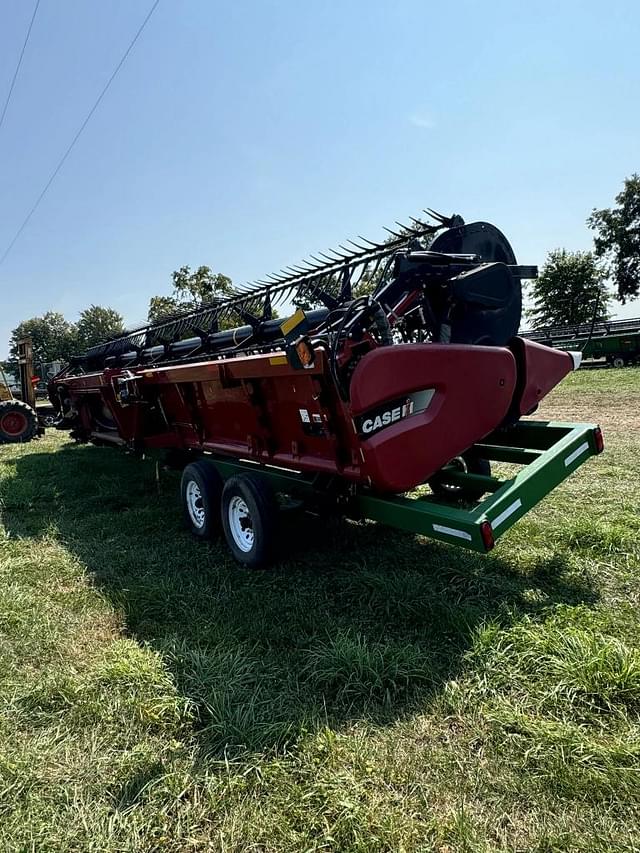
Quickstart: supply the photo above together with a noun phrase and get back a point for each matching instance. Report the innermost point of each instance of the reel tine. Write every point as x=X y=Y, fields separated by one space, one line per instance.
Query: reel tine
x=284 y=294
x=370 y=242
x=321 y=264
x=438 y=216
x=395 y=233
x=376 y=267
x=410 y=231
x=355 y=280
x=350 y=252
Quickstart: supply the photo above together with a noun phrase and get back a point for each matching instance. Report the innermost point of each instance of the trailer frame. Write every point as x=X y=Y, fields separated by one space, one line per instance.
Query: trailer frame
x=548 y=451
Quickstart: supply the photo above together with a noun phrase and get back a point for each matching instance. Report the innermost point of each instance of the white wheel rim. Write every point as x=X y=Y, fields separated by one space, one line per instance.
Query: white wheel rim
x=240 y=524
x=195 y=504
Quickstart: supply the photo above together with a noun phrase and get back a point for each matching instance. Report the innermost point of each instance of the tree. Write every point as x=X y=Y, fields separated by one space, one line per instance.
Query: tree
x=190 y=289
x=52 y=336
x=55 y=339
x=200 y=286
x=97 y=324
x=617 y=239
x=570 y=286
x=162 y=306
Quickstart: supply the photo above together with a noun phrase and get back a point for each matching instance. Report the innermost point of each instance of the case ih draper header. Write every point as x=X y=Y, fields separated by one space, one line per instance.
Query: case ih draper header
x=350 y=403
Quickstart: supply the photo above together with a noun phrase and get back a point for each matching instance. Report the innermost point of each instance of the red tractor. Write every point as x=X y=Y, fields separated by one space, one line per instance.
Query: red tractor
x=404 y=368
x=19 y=420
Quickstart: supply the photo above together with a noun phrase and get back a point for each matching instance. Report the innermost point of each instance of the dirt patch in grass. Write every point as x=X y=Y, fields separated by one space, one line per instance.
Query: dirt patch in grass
x=589 y=396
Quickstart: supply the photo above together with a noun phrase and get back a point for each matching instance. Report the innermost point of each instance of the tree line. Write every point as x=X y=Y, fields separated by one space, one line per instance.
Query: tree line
x=573 y=287
x=54 y=338
x=578 y=287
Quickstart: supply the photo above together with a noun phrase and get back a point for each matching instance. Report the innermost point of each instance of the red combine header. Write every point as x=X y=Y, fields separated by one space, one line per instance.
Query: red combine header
x=352 y=402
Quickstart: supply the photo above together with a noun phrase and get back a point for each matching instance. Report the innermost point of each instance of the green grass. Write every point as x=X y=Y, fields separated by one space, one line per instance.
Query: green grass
x=374 y=691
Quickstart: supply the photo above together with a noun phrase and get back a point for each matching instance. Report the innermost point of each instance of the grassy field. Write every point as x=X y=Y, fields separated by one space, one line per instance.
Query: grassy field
x=375 y=691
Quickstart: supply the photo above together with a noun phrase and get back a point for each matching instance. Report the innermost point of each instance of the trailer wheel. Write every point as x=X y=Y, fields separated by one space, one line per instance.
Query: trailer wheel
x=469 y=463
x=249 y=518
x=201 y=491
x=18 y=422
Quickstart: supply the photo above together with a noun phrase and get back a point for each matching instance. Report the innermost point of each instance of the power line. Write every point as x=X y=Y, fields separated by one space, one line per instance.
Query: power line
x=79 y=131
x=15 y=73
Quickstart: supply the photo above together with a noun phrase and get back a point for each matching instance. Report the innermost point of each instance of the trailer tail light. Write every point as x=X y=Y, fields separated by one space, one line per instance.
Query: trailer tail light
x=486 y=531
x=599 y=439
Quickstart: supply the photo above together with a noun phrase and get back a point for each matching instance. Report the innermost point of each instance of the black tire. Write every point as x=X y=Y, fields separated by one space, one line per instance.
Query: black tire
x=618 y=361
x=18 y=422
x=470 y=463
x=201 y=492
x=249 y=519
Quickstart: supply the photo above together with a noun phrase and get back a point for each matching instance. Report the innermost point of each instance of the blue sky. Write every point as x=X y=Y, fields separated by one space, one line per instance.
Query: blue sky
x=246 y=135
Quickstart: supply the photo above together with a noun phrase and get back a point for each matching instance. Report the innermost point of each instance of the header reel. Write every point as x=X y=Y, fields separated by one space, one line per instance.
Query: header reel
x=444 y=282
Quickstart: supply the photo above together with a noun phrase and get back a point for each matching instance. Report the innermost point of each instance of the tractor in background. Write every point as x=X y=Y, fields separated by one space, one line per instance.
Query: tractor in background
x=19 y=420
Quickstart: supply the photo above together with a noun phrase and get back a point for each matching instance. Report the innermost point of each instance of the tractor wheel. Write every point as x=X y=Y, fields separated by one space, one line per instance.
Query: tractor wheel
x=201 y=491
x=249 y=519
x=468 y=463
x=18 y=422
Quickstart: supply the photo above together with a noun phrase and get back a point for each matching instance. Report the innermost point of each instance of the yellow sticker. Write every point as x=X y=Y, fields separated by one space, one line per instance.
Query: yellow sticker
x=291 y=322
x=278 y=359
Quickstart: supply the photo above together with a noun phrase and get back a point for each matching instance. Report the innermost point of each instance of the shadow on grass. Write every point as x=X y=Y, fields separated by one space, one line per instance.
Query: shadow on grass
x=355 y=621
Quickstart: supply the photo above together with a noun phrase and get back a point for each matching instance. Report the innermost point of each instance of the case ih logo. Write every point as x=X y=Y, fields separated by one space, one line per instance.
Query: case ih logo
x=392 y=412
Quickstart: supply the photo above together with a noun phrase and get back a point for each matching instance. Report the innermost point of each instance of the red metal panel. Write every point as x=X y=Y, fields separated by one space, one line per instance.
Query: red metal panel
x=472 y=392
x=540 y=369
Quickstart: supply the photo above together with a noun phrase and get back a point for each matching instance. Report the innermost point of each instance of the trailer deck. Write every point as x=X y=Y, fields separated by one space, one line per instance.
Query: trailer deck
x=548 y=452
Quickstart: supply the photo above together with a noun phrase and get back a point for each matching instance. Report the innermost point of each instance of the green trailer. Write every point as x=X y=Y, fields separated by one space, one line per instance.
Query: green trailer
x=615 y=341
x=545 y=453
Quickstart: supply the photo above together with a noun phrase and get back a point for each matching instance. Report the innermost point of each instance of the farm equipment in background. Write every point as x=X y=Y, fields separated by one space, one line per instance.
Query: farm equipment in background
x=350 y=405
x=19 y=421
x=617 y=342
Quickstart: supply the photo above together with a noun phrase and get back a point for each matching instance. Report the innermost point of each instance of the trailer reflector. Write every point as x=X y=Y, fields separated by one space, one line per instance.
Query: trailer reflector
x=582 y=448
x=599 y=439
x=452 y=531
x=486 y=531
x=504 y=515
